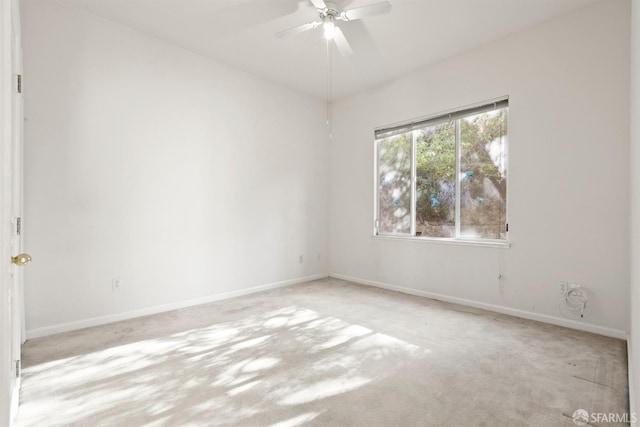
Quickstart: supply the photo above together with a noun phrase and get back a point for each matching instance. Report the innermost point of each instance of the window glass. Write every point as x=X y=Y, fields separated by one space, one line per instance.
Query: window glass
x=436 y=180
x=394 y=184
x=483 y=183
x=445 y=177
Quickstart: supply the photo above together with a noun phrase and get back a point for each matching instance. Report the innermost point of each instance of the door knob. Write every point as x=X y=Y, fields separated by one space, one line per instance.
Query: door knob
x=21 y=260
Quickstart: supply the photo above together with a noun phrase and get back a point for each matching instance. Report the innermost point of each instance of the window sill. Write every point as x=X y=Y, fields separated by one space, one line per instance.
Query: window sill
x=500 y=244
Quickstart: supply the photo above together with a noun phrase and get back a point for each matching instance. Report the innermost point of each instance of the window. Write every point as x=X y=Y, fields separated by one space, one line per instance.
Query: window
x=444 y=177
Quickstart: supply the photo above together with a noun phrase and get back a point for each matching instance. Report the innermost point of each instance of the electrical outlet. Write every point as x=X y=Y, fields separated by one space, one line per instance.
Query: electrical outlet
x=564 y=287
x=300 y=259
x=116 y=284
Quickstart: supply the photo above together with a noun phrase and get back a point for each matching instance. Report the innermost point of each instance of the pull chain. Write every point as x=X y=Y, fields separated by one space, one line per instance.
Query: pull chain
x=329 y=123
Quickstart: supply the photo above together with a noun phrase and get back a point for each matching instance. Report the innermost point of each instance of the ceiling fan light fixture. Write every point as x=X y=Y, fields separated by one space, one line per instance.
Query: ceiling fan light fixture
x=329 y=29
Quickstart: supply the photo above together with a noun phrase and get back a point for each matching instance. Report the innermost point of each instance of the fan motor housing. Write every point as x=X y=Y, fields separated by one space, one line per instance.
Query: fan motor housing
x=331 y=10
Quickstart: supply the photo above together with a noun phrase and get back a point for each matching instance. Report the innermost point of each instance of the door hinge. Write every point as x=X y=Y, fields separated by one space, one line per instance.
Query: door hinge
x=506 y=228
x=19 y=83
x=17 y=368
x=18 y=226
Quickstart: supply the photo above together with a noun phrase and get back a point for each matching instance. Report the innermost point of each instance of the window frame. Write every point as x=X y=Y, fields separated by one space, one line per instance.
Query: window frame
x=414 y=124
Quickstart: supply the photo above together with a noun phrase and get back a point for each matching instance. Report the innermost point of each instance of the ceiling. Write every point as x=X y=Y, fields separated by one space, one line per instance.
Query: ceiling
x=241 y=33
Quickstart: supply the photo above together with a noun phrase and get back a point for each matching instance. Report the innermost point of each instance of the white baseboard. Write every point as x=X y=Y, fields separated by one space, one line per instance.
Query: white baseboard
x=600 y=330
x=117 y=317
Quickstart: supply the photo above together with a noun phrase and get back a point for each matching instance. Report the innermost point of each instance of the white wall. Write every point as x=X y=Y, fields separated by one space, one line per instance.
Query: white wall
x=568 y=83
x=181 y=176
x=634 y=362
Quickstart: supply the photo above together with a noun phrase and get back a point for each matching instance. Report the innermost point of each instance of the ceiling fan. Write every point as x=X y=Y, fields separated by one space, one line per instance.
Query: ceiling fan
x=329 y=14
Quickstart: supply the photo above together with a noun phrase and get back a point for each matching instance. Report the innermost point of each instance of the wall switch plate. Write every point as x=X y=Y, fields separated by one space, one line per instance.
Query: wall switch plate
x=116 y=284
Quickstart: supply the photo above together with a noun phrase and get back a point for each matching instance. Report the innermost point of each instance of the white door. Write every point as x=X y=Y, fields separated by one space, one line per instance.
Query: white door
x=11 y=123
x=17 y=294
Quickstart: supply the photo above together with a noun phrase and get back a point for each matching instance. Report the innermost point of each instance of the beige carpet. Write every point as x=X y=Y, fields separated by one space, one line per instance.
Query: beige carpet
x=328 y=353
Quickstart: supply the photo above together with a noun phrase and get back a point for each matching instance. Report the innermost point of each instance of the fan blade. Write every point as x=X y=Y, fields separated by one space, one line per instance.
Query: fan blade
x=319 y=4
x=342 y=43
x=366 y=59
x=299 y=29
x=364 y=11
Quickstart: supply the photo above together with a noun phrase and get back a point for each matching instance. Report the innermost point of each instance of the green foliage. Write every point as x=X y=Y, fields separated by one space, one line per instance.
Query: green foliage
x=436 y=174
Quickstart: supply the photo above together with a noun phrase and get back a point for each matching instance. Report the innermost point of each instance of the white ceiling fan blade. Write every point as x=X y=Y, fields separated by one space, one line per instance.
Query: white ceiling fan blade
x=319 y=4
x=364 y=11
x=342 y=43
x=299 y=29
